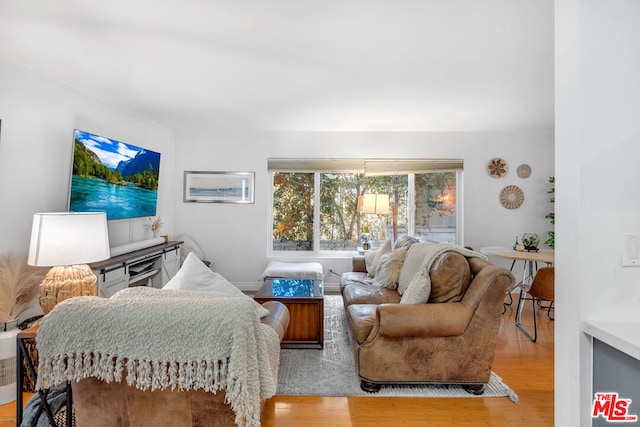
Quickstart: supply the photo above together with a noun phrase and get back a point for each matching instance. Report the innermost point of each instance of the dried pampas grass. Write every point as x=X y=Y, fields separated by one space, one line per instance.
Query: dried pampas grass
x=18 y=285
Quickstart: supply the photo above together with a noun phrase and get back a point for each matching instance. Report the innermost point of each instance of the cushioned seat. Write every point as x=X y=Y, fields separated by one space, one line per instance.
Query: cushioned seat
x=367 y=294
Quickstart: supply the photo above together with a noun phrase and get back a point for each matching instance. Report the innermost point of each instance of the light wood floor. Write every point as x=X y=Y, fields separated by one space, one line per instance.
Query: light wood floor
x=524 y=366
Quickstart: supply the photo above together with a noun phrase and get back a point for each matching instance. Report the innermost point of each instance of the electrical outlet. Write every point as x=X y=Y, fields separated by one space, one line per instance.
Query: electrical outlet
x=631 y=250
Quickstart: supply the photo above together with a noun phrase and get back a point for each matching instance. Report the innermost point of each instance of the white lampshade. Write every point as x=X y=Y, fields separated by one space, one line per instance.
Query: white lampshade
x=66 y=238
x=377 y=204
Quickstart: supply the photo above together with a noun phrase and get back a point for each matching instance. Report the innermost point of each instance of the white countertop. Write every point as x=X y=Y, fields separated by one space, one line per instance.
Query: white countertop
x=622 y=335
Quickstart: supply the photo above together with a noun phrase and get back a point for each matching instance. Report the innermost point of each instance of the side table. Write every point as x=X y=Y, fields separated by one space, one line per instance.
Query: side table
x=305 y=300
x=23 y=358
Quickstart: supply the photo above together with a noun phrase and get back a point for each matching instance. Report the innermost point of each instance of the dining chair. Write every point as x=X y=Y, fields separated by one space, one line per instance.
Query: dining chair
x=542 y=289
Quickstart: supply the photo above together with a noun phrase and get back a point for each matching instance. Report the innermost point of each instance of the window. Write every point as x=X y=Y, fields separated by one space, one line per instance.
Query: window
x=318 y=204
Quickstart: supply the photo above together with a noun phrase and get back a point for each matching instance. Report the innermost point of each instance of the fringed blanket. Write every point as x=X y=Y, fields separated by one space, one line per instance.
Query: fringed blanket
x=158 y=339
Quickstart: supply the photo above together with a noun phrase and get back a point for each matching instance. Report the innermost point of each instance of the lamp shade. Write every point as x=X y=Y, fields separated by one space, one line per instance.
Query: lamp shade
x=67 y=238
x=377 y=204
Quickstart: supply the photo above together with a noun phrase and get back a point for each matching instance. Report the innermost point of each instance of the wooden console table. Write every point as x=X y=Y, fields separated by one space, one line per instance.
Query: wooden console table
x=305 y=300
x=153 y=266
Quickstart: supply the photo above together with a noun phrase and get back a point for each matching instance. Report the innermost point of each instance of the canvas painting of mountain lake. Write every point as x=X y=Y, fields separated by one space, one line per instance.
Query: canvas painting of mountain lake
x=219 y=187
x=113 y=177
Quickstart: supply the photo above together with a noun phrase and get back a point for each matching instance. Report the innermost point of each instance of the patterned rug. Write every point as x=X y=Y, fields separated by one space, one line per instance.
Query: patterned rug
x=332 y=372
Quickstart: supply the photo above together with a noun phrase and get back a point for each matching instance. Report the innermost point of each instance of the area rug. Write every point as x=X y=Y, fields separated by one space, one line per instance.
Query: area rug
x=332 y=372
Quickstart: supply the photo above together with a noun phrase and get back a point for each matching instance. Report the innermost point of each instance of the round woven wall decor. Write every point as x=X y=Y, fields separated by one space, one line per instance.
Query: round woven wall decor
x=524 y=170
x=498 y=167
x=511 y=197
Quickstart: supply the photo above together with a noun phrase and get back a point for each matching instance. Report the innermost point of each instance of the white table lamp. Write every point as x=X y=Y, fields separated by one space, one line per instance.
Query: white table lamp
x=376 y=204
x=67 y=241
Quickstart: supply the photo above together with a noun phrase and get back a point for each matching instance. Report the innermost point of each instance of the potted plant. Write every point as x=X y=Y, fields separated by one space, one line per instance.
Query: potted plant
x=530 y=242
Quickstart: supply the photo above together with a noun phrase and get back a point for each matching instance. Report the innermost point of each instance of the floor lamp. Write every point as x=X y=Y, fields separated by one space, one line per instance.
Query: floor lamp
x=376 y=204
x=66 y=242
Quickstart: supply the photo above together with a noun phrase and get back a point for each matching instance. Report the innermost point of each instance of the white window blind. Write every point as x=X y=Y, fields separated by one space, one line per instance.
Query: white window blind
x=367 y=166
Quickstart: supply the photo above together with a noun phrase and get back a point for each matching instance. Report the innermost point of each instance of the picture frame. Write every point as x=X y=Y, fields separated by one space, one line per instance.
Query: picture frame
x=219 y=187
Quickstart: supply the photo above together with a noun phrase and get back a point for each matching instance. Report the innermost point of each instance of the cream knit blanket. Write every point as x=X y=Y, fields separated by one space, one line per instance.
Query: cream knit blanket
x=161 y=339
x=420 y=286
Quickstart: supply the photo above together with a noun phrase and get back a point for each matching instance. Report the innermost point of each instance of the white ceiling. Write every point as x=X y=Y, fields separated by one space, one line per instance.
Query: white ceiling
x=298 y=65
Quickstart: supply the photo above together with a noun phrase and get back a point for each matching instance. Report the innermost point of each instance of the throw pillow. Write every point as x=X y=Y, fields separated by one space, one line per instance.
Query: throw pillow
x=412 y=263
x=369 y=258
x=388 y=269
x=194 y=275
x=377 y=254
x=404 y=241
x=418 y=290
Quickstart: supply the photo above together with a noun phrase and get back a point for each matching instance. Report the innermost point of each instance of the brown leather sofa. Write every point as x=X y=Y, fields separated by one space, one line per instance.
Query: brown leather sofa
x=100 y=404
x=450 y=339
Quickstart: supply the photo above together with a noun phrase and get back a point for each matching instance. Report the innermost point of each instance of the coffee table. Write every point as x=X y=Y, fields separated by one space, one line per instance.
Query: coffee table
x=305 y=300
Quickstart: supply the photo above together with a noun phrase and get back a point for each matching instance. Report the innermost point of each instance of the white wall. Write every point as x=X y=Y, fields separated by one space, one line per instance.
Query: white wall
x=235 y=237
x=597 y=152
x=36 y=141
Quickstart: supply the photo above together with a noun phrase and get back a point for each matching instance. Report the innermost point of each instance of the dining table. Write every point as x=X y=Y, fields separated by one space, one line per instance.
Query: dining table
x=530 y=260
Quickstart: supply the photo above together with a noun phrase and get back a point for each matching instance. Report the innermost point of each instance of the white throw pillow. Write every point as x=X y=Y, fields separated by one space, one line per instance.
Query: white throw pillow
x=194 y=275
x=412 y=263
x=418 y=290
x=375 y=258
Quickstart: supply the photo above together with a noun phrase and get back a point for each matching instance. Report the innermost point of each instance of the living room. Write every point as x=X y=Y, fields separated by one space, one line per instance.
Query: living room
x=594 y=124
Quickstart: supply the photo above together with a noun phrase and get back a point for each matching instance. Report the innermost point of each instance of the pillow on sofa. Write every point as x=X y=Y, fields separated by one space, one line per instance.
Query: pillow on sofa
x=194 y=275
x=447 y=281
x=412 y=263
x=372 y=258
x=418 y=290
x=388 y=268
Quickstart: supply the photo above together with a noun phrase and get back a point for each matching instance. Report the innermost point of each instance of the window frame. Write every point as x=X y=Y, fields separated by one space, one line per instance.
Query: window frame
x=353 y=165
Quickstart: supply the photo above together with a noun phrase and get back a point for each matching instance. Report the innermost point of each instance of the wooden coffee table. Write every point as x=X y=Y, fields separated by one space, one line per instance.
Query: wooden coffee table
x=305 y=300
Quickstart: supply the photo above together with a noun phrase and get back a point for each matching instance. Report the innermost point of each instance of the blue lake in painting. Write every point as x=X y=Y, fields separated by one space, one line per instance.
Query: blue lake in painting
x=118 y=201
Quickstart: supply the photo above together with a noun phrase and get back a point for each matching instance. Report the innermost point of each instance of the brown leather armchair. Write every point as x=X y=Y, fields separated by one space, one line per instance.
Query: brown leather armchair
x=435 y=342
x=100 y=404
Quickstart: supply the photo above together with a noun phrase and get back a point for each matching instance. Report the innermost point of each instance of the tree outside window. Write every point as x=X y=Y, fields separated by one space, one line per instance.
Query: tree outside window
x=341 y=226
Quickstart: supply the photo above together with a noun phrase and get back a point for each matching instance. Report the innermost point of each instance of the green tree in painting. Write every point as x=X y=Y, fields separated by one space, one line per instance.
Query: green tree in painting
x=86 y=163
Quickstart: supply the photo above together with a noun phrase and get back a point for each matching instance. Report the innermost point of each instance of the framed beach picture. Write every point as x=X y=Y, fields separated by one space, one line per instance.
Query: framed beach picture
x=219 y=187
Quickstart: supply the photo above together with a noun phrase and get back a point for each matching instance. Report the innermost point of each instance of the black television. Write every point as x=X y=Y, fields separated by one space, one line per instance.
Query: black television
x=113 y=177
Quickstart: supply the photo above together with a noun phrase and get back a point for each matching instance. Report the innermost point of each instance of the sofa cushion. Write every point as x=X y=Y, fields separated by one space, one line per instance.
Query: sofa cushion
x=361 y=320
x=354 y=277
x=372 y=258
x=450 y=277
x=368 y=294
x=388 y=268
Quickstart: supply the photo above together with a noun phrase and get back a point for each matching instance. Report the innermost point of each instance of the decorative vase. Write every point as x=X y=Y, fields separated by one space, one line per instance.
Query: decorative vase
x=8 y=333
